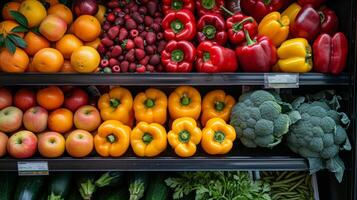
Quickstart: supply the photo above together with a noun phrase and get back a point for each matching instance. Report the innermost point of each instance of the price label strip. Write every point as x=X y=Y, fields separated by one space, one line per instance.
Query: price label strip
x=281 y=80
x=32 y=168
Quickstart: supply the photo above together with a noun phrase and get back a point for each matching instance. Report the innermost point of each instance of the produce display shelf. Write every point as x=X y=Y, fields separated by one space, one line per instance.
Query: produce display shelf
x=164 y=79
x=271 y=163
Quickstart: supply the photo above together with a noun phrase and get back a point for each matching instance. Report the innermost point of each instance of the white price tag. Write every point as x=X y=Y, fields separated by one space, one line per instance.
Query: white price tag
x=281 y=80
x=32 y=168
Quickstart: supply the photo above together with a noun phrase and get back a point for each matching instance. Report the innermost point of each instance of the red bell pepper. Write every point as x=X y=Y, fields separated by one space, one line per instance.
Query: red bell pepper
x=178 y=56
x=330 y=53
x=212 y=27
x=314 y=3
x=307 y=23
x=259 y=8
x=209 y=6
x=176 y=5
x=180 y=25
x=213 y=58
x=329 y=21
x=257 y=55
x=237 y=23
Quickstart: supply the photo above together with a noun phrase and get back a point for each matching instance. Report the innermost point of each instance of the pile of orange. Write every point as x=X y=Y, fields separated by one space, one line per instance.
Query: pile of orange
x=63 y=44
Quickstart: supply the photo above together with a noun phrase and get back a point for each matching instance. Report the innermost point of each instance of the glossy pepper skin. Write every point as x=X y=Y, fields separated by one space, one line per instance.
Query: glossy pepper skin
x=259 y=8
x=216 y=104
x=185 y=101
x=184 y=136
x=176 y=5
x=329 y=21
x=330 y=53
x=180 y=25
x=314 y=3
x=112 y=139
x=212 y=27
x=257 y=55
x=275 y=27
x=178 y=56
x=292 y=11
x=209 y=6
x=307 y=24
x=116 y=105
x=237 y=23
x=150 y=106
x=213 y=58
x=295 y=56
x=217 y=137
x=148 y=140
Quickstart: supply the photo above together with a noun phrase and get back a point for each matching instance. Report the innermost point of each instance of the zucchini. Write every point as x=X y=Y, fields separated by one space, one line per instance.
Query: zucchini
x=7 y=185
x=138 y=184
x=110 y=179
x=29 y=187
x=86 y=185
x=110 y=193
x=157 y=189
x=59 y=186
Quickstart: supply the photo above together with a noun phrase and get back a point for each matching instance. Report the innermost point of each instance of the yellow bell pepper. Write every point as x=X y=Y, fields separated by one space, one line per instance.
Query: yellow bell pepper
x=185 y=101
x=116 y=105
x=275 y=27
x=294 y=56
x=217 y=137
x=216 y=104
x=184 y=136
x=148 y=139
x=292 y=11
x=112 y=139
x=150 y=106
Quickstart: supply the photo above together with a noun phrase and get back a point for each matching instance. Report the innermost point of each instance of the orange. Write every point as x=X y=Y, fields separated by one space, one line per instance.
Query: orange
x=67 y=44
x=35 y=43
x=93 y=44
x=87 y=28
x=30 y=67
x=85 y=59
x=52 y=2
x=62 y=11
x=100 y=14
x=15 y=63
x=48 y=60
x=70 y=30
x=6 y=27
x=34 y=12
x=50 y=97
x=67 y=67
x=8 y=7
x=60 y=120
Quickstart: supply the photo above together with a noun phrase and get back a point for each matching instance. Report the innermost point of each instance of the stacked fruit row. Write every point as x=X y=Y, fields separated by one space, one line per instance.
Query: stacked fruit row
x=118 y=111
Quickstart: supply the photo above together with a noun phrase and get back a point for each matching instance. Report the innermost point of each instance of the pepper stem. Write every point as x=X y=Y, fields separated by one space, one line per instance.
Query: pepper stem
x=176 y=26
x=149 y=103
x=147 y=138
x=219 y=106
x=206 y=56
x=176 y=5
x=177 y=55
x=185 y=100
x=184 y=136
x=111 y=138
x=250 y=42
x=266 y=2
x=114 y=103
x=219 y=136
x=239 y=26
x=209 y=31
x=208 y=4
x=322 y=17
x=227 y=11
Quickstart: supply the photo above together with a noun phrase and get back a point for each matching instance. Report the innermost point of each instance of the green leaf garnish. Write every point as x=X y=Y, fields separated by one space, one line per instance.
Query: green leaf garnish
x=19 y=18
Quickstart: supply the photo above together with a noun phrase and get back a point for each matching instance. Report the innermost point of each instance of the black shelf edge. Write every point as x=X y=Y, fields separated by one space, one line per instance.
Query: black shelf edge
x=162 y=79
x=230 y=163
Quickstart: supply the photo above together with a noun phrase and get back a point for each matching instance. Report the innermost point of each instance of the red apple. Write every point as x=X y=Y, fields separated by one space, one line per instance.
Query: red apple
x=87 y=118
x=35 y=119
x=3 y=142
x=25 y=99
x=5 y=98
x=22 y=144
x=75 y=99
x=10 y=119
x=51 y=144
x=79 y=143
